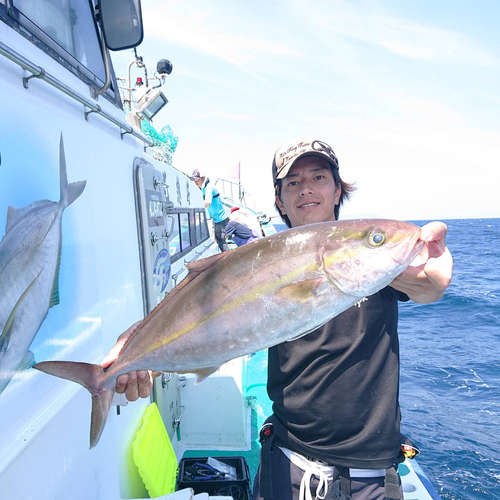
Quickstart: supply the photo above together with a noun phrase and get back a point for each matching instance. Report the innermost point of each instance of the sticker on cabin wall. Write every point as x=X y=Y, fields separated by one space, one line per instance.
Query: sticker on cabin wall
x=161 y=269
x=179 y=195
x=30 y=286
x=188 y=195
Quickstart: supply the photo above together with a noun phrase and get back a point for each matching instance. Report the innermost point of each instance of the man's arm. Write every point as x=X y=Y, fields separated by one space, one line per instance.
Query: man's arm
x=428 y=276
x=208 y=196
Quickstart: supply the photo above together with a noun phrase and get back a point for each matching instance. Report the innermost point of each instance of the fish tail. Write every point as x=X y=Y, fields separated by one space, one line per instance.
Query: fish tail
x=91 y=377
x=69 y=192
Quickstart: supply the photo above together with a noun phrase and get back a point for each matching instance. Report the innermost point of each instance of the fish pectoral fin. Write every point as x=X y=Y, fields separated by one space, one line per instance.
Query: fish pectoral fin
x=202 y=373
x=300 y=291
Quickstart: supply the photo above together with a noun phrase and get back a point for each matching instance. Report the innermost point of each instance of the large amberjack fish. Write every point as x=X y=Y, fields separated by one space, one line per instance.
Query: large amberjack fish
x=270 y=291
x=30 y=254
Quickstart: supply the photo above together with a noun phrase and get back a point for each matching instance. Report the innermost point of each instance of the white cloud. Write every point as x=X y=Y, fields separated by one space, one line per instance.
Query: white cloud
x=369 y=24
x=234 y=116
x=407 y=50
x=207 y=32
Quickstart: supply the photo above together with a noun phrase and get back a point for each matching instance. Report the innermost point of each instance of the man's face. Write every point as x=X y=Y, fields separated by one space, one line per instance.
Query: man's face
x=308 y=192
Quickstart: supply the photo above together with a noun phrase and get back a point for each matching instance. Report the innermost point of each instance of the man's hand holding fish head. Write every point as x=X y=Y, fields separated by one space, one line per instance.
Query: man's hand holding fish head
x=429 y=274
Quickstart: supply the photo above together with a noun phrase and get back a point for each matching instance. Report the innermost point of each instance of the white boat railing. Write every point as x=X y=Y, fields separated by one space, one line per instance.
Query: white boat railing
x=230 y=189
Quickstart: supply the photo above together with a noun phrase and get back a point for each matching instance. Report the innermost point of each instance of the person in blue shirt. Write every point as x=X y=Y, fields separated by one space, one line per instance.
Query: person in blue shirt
x=216 y=210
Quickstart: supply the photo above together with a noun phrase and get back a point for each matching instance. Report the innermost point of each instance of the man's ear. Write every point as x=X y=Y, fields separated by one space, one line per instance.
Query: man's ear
x=280 y=205
x=338 y=192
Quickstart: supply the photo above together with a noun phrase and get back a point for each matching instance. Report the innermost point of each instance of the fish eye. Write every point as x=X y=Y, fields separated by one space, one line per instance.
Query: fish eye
x=376 y=238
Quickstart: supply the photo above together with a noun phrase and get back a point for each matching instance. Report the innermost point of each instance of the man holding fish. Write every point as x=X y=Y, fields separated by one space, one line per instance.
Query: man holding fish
x=335 y=391
x=322 y=284
x=322 y=416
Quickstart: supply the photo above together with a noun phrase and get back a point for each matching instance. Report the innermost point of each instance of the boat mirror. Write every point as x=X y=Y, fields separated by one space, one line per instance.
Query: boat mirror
x=121 y=22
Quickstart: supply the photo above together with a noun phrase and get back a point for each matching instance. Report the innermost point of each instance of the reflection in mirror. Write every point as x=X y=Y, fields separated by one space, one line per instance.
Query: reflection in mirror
x=121 y=22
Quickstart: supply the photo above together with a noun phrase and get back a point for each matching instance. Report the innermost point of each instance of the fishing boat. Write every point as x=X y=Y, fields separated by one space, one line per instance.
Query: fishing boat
x=100 y=226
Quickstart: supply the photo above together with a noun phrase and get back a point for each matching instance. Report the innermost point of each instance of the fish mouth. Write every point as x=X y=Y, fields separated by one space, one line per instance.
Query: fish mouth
x=412 y=248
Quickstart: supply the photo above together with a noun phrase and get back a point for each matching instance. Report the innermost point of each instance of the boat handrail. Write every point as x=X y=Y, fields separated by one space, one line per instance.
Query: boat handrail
x=221 y=183
x=40 y=73
x=183 y=269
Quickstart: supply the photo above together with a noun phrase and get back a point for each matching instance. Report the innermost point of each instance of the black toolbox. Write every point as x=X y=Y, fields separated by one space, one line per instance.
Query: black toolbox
x=238 y=488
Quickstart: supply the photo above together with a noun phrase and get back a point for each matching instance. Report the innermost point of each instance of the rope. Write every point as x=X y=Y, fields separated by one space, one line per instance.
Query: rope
x=305 y=484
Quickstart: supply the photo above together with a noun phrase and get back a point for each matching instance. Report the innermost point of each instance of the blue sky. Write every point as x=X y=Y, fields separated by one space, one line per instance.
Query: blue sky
x=407 y=94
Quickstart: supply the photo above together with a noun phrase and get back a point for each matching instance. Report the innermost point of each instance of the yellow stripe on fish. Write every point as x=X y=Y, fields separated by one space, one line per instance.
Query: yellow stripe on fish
x=254 y=294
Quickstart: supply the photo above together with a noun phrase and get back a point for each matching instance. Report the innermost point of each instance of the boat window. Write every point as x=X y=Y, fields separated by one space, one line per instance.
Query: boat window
x=70 y=24
x=201 y=227
x=174 y=242
x=189 y=229
x=192 y=225
x=185 y=234
x=198 y=227
x=204 y=227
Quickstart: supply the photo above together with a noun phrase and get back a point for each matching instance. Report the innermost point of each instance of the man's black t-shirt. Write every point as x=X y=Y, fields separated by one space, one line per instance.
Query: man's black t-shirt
x=335 y=391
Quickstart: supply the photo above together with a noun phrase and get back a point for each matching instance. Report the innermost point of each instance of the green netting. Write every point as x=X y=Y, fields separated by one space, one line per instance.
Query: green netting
x=165 y=142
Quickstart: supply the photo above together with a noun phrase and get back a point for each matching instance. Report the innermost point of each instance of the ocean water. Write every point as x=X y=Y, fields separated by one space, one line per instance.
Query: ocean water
x=450 y=369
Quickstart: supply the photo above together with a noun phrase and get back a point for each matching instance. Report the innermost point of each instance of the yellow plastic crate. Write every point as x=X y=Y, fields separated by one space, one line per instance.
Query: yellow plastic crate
x=153 y=454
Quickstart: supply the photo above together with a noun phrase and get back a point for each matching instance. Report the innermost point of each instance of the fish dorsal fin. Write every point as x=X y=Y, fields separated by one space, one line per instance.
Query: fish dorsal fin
x=194 y=269
x=14 y=215
x=201 y=265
